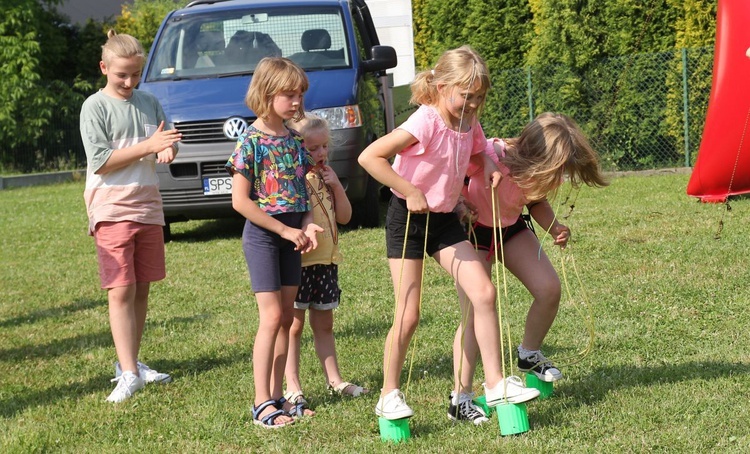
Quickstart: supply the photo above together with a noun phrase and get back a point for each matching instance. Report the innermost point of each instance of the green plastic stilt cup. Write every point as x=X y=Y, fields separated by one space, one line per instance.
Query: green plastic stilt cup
x=513 y=418
x=481 y=402
x=394 y=430
x=545 y=388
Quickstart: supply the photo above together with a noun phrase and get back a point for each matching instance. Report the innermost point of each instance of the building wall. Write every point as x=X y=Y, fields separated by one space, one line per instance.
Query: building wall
x=393 y=20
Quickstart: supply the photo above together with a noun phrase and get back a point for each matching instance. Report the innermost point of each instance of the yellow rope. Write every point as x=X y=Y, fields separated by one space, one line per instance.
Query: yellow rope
x=419 y=310
x=587 y=316
x=464 y=319
x=398 y=293
x=497 y=225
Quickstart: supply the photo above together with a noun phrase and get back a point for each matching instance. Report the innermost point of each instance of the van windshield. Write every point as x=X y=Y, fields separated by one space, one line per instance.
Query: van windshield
x=231 y=43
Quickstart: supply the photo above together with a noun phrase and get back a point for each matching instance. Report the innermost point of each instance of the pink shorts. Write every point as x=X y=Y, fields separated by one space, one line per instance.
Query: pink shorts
x=129 y=252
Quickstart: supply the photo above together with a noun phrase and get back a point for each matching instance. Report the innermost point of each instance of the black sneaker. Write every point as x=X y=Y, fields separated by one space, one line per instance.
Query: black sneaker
x=466 y=410
x=540 y=366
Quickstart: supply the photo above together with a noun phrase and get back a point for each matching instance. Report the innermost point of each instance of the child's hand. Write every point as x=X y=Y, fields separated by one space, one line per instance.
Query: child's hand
x=492 y=175
x=416 y=202
x=296 y=236
x=166 y=156
x=161 y=139
x=561 y=235
x=329 y=176
x=466 y=211
x=311 y=230
x=493 y=179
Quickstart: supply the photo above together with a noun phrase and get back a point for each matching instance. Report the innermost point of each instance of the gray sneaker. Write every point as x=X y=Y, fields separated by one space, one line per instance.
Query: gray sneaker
x=127 y=384
x=147 y=374
x=465 y=410
x=540 y=366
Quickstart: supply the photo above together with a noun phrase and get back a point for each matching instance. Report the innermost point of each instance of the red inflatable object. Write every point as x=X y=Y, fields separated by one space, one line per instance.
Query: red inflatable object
x=723 y=165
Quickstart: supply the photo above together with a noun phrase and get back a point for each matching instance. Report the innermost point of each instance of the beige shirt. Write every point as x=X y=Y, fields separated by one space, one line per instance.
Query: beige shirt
x=321 y=200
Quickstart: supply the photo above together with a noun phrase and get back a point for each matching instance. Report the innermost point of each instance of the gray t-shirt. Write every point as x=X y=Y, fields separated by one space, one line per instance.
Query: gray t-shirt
x=132 y=192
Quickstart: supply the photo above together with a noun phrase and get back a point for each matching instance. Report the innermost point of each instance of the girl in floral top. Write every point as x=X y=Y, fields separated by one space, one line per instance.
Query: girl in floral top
x=268 y=170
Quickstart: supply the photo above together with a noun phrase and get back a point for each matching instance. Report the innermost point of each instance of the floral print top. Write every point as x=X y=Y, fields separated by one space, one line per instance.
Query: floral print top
x=276 y=166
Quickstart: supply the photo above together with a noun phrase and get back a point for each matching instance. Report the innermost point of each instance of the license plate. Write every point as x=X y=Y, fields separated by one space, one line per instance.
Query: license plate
x=217 y=186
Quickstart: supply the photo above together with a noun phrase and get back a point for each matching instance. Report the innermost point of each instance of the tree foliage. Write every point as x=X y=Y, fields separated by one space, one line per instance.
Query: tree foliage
x=143 y=18
x=38 y=81
x=591 y=59
x=695 y=28
x=603 y=62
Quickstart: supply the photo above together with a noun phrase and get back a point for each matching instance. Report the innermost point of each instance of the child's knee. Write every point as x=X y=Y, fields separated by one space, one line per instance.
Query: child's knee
x=408 y=324
x=549 y=292
x=483 y=296
x=297 y=326
x=322 y=325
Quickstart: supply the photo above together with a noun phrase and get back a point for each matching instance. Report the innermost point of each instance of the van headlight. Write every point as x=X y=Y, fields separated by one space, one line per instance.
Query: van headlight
x=341 y=117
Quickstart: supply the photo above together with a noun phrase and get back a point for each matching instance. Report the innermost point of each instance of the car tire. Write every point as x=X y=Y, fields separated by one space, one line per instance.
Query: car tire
x=366 y=212
x=167 y=232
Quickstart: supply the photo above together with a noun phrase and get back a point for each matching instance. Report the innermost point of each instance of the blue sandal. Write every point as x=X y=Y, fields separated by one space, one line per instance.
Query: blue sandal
x=298 y=401
x=267 y=422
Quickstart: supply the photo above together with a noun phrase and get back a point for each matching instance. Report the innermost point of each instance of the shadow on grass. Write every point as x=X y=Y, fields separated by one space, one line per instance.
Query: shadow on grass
x=58 y=347
x=19 y=401
x=52 y=312
x=231 y=228
x=600 y=382
x=210 y=230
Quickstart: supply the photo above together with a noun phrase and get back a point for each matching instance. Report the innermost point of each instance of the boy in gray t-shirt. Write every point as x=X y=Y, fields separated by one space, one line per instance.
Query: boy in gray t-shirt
x=123 y=134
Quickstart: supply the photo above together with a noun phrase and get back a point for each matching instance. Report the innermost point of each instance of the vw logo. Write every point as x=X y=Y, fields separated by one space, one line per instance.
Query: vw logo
x=234 y=127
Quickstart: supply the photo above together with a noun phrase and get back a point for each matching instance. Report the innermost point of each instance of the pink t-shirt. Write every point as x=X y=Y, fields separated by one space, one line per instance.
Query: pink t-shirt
x=509 y=197
x=437 y=162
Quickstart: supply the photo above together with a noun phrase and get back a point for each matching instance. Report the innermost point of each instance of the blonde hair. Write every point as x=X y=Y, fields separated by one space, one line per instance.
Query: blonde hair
x=308 y=123
x=121 y=46
x=549 y=148
x=461 y=67
x=272 y=76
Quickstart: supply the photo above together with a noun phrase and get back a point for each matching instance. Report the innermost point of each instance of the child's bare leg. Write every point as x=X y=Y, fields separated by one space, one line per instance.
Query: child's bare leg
x=281 y=349
x=141 y=307
x=269 y=325
x=533 y=268
x=321 y=323
x=466 y=362
x=465 y=347
x=123 y=322
x=405 y=321
x=292 y=362
x=461 y=261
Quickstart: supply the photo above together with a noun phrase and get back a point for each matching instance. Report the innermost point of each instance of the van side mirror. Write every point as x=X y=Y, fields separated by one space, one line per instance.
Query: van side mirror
x=383 y=57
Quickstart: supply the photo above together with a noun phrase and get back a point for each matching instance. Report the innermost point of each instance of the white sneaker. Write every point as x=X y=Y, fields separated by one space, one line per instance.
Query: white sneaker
x=127 y=384
x=393 y=406
x=147 y=374
x=510 y=390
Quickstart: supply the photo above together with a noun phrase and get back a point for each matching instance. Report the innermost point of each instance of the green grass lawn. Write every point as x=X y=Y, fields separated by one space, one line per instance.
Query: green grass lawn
x=668 y=371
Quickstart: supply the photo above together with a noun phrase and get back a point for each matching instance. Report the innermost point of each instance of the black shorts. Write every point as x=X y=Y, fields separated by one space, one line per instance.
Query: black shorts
x=319 y=288
x=444 y=231
x=483 y=238
x=272 y=260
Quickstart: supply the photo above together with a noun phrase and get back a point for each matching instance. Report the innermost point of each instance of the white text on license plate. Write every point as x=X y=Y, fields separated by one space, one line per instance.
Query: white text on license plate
x=217 y=186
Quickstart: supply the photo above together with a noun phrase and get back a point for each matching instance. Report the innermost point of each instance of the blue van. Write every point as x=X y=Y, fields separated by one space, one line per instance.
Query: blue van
x=200 y=66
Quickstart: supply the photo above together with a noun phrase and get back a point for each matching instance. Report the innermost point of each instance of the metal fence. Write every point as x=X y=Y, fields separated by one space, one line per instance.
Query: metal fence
x=643 y=111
